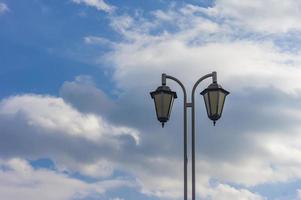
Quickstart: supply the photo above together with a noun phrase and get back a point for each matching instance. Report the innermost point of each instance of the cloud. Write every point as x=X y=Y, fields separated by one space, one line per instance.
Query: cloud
x=152 y=49
x=18 y=180
x=260 y=64
x=269 y=16
x=3 y=8
x=44 y=126
x=226 y=192
x=32 y=139
x=93 y=40
x=98 y=4
x=84 y=96
x=54 y=115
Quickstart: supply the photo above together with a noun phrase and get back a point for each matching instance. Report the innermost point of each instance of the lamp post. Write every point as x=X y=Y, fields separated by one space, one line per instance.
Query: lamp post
x=214 y=97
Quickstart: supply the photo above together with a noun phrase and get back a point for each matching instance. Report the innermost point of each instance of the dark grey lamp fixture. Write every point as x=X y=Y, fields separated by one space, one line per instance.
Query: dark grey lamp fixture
x=163 y=98
x=214 y=97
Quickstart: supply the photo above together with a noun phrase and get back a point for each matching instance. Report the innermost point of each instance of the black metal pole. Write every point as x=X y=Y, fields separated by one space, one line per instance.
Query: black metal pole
x=164 y=77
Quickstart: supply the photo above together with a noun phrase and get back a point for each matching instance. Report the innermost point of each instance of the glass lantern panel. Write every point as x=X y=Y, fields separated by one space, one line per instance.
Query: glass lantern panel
x=221 y=101
x=162 y=103
x=206 y=98
x=213 y=100
x=158 y=104
x=170 y=107
x=167 y=101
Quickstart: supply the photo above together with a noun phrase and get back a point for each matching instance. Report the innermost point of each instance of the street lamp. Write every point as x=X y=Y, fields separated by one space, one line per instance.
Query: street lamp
x=214 y=97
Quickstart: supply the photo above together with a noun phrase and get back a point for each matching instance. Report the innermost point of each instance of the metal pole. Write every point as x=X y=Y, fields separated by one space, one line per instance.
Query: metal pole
x=164 y=77
x=213 y=75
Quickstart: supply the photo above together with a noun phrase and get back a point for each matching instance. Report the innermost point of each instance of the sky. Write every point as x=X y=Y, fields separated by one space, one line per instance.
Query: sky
x=77 y=121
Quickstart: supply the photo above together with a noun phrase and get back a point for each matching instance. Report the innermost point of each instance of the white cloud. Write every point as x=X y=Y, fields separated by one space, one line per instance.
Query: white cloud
x=98 y=41
x=298 y=195
x=168 y=184
x=54 y=115
x=198 y=46
x=18 y=180
x=3 y=8
x=235 y=61
x=226 y=192
x=268 y=16
x=117 y=198
x=98 y=4
x=153 y=180
x=83 y=95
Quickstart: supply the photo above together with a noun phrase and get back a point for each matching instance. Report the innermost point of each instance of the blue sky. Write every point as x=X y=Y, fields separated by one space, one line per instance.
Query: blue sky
x=77 y=121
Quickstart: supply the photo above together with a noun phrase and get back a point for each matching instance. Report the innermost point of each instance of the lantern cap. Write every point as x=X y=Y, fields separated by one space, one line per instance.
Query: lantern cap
x=163 y=89
x=213 y=87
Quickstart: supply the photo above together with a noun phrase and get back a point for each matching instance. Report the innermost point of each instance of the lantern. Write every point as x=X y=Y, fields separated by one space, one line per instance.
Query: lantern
x=214 y=97
x=163 y=98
